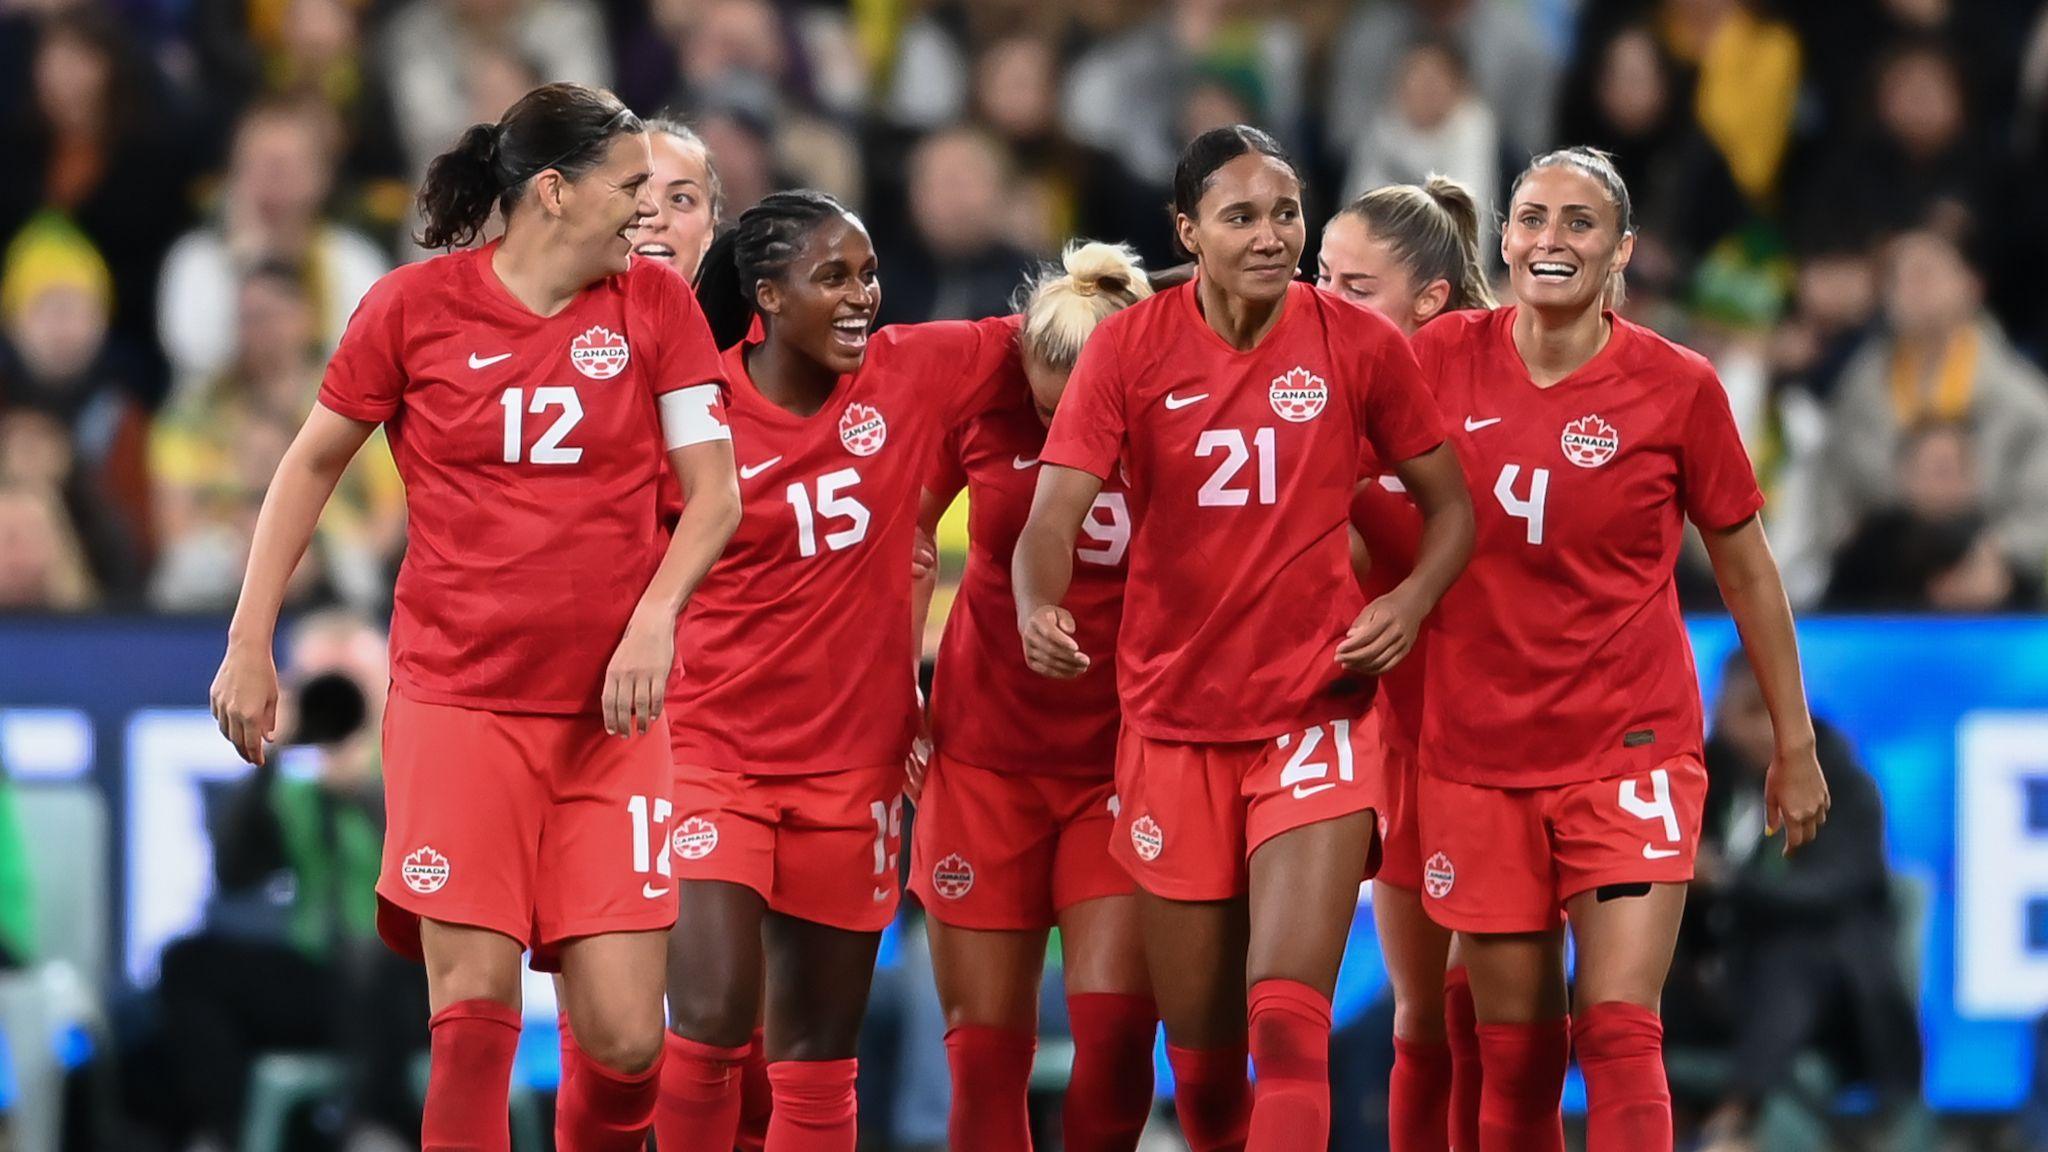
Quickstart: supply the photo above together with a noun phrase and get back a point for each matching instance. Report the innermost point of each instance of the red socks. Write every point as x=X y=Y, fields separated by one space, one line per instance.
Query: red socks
x=1212 y=1097
x=564 y=1092
x=1628 y=1099
x=1419 y=1098
x=1518 y=1105
x=815 y=1109
x=1109 y=1095
x=1290 y=1039
x=756 y=1101
x=991 y=1088
x=470 y=1078
x=1461 y=1031
x=699 y=1104
x=607 y=1110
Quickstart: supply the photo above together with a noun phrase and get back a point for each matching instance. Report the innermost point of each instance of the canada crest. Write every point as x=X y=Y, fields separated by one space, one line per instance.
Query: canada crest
x=862 y=429
x=599 y=353
x=1298 y=395
x=1439 y=876
x=952 y=877
x=425 y=870
x=1147 y=838
x=1590 y=441
x=694 y=839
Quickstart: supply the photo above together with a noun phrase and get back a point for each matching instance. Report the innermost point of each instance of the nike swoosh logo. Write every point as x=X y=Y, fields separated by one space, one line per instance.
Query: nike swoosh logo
x=1650 y=853
x=1020 y=463
x=882 y=894
x=1174 y=403
x=653 y=893
x=1304 y=791
x=749 y=471
x=1472 y=425
x=476 y=361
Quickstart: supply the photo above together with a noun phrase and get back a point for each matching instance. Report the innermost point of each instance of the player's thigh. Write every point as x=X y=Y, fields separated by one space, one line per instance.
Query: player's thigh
x=612 y=989
x=1626 y=935
x=1417 y=950
x=1517 y=978
x=818 y=980
x=1305 y=884
x=1195 y=952
x=465 y=962
x=715 y=962
x=1102 y=947
x=605 y=851
x=987 y=978
x=983 y=849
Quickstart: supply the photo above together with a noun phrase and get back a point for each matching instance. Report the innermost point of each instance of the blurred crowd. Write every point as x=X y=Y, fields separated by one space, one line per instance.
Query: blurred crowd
x=1837 y=202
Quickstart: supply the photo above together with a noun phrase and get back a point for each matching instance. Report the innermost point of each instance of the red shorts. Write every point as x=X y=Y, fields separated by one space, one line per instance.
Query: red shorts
x=1507 y=859
x=1400 y=833
x=819 y=847
x=1003 y=851
x=538 y=826
x=1192 y=814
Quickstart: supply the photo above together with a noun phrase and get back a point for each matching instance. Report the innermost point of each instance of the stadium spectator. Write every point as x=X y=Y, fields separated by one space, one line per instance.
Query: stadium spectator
x=273 y=207
x=41 y=565
x=1810 y=939
x=1435 y=124
x=58 y=358
x=37 y=456
x=1748 y=71
x=212 y=454
x=1944 y=358
x=298 y=964
x=92 y=138
x=1016 y=98
x=962 y=263
x=1508 y=60
x=747 y=169
x=560 y=40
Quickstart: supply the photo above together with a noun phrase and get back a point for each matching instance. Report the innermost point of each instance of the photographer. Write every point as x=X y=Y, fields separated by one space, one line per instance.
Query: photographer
x=289 y=957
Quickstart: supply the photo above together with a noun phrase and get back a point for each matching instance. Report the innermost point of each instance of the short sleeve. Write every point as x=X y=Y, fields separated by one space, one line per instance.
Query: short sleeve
x=1400 y=418
x=1715 y=478
x=366 y=378
x=1088 y=429
x=689 y=356
x=947 y=476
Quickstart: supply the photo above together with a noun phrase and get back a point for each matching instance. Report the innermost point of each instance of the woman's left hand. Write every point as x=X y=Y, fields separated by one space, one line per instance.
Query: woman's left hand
x=1795 y=796
x=637 y=679
x=1382 y=634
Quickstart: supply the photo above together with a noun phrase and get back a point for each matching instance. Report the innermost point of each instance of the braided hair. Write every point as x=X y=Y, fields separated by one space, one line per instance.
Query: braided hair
x=760 y=246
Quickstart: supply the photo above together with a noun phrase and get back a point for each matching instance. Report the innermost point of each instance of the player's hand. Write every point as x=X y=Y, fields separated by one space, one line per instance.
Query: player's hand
x=1382 y=634
x=244 y=698
x=637 y=678
x=1795 y=796
x=924 y=555
x=1049 y=645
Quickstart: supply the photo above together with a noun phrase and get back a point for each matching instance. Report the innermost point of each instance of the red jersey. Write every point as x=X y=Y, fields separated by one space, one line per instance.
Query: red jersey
x=796 y=650
x=1387 y=519
x=1241 y=467
x=1560 y=656
x=531 y=451
x=988 y=707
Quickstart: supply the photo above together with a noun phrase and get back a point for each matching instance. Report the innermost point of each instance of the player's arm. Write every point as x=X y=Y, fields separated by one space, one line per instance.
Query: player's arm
x=1795 y=790
x=244 y=694
x=700 y=452
x=1043 y=567
x=1386 y=631
x=924 y=564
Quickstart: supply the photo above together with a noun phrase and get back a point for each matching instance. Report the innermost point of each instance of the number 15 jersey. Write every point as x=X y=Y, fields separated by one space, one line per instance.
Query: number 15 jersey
x=1241 y=469
x=1560 y=655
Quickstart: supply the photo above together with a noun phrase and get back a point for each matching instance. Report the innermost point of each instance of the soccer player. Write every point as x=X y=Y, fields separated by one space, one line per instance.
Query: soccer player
x=688 y=199
x=1015 y=810
x=796 y=712
x=530 y=389
x=1412 y=252
x=1561 y=733
x=1248 y=768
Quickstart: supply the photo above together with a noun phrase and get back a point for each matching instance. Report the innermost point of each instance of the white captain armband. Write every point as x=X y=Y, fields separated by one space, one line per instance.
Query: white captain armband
x=690 y=416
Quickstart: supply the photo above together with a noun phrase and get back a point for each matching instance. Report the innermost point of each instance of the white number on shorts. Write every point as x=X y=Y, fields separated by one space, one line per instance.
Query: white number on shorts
x=1112 y=536
x=548 y=449
x=1657 y=807
x=888 y=831
x=650 y=816
x=831 y=503
x=1530 y=510
x=1299 y=769
x=1216 y=490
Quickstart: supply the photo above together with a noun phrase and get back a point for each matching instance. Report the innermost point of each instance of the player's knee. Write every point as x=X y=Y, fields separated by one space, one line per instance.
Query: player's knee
x=718 y=1017
x=823 y=1040
x=471 y=977
x=622 y=1046
x=1419 y=1020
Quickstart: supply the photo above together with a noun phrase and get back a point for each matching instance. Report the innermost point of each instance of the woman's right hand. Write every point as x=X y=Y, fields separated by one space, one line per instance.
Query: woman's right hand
x=244 y=698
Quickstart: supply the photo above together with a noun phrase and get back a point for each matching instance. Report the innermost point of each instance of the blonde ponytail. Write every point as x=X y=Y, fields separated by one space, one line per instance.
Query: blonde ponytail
x=1063 y=304
x=1434 y=231
x=1471 y=288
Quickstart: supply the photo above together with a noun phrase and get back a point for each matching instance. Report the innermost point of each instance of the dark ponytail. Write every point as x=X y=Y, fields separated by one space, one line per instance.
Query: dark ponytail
x=566 y=127
x=760 y=246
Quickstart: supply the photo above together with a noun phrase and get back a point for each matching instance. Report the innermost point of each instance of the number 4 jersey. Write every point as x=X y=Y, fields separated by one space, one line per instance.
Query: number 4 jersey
x=531 y=452
x=795 y=650
x=1560 y=655
x=1241 y=467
